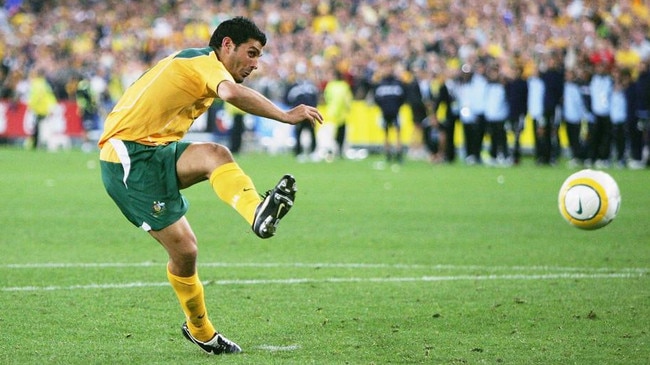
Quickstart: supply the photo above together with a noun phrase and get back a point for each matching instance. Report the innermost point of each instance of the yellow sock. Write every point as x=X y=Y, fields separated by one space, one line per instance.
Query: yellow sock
x=190 y=294
x=235 y=188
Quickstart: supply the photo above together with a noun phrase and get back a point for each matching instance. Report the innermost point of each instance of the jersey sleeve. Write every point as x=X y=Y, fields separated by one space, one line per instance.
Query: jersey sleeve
x=213 y=72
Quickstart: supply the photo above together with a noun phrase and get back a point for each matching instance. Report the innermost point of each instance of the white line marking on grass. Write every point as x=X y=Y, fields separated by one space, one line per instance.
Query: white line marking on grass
x=273 y=348
x=54 y=265
x=91 y=265
x=85 y=287
x=292 y=281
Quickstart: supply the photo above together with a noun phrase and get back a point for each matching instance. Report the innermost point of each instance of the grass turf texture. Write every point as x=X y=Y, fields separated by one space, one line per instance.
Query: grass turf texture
x=421 y=264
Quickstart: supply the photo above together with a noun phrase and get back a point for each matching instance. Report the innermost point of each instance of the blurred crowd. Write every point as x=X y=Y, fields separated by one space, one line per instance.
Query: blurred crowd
x=438 y=44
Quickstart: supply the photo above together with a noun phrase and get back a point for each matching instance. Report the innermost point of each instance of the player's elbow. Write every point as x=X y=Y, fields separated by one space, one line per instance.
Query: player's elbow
x=227 y=91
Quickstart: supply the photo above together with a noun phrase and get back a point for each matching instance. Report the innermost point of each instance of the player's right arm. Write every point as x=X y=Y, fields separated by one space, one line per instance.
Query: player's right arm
x=253 y=102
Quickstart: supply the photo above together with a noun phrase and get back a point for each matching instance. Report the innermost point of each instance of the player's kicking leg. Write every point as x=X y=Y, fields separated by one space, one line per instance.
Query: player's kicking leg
x=275 y=205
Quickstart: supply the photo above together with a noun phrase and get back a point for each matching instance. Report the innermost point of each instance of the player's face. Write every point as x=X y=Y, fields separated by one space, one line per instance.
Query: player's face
x=242 y=60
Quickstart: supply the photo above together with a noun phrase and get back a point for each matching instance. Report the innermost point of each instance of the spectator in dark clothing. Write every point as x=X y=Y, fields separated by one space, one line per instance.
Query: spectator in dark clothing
x=517 y=96
x=471 y=129
x=496 y=113
x=535 y=106
x=87 y=110
x=416 y=102
x=302 y=91
x=446 y=95
x=478 y=87
x=390 y=95
x=639 y=123
x=553 y=78
x=238 y=128
x=619 y=115
x=574 y=113
x=599 y=138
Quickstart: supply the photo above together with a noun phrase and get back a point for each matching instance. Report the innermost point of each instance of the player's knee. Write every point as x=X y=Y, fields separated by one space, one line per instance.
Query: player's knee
x=218 y=153
x=185 y=255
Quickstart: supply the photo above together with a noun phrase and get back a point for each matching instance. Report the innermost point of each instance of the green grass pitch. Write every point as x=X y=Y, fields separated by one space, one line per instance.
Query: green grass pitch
x=420 y=264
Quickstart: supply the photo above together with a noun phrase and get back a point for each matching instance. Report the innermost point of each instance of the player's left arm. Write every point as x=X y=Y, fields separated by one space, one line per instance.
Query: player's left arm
x=253 y=102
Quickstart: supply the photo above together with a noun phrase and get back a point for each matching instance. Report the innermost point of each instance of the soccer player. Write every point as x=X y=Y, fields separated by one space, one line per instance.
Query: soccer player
x=145 y=164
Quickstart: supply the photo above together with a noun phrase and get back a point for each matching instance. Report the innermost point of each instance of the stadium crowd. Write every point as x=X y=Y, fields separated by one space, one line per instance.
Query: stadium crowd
x=581 y=63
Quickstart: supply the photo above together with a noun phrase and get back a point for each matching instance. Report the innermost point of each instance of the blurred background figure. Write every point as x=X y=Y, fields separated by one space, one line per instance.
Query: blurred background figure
x=619 y=116
x=237 y=129
x=302 y=90
x=599 y=137
x=390 y=95
x=338 y=101
x=478 y=91
x=535 y=106
x=467 y=116
x=88 y=111
x=496 y=113
x=41 y=102
x=420 y=108
x=444 y=91
x=639 y=122
x=517 y=95
x=552 y=75
x=574 y=114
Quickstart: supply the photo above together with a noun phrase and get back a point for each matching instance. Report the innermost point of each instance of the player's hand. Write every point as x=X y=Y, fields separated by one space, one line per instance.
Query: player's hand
x=304 y=113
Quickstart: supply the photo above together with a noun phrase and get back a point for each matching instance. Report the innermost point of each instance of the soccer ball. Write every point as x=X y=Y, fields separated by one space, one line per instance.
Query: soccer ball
x=589 y=199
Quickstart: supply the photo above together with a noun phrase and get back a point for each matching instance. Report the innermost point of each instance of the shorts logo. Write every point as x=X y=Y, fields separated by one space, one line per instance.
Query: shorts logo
x=158 y=208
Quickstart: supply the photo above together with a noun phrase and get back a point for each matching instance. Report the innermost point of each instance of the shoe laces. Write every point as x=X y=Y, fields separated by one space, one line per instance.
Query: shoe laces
x=223 y=344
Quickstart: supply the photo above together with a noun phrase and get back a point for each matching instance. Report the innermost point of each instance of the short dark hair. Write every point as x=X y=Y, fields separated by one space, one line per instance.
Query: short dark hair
x=239 y=29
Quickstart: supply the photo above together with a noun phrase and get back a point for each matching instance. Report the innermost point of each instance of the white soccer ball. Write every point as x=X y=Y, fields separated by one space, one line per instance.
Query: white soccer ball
x=589 y=199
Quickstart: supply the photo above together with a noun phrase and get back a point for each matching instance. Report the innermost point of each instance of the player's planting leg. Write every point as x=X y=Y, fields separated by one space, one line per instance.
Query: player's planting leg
x=189 y=291
x=180 y=243
x=217 y=345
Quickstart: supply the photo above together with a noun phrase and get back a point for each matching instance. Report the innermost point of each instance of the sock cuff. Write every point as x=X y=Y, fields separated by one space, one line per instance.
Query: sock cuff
x=225 y=168
x=189 y=280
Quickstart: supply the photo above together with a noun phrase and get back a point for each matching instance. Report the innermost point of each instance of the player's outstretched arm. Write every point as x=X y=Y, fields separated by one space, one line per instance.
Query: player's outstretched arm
x=253 y=102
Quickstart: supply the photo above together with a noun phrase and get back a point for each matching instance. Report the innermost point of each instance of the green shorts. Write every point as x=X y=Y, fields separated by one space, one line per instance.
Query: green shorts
x=144 y=184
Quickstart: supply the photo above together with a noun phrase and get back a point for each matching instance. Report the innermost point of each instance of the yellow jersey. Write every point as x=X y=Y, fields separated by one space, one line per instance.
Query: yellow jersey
x=41 y=99
x=162 y=104
x=338 y=100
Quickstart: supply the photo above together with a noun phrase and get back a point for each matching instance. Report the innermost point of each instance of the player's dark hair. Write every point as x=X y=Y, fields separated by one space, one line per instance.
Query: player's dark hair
x=239 y=29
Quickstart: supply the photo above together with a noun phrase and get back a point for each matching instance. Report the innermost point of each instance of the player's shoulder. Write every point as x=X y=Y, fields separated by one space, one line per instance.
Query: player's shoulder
x=194 y=61
x=190 y=53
